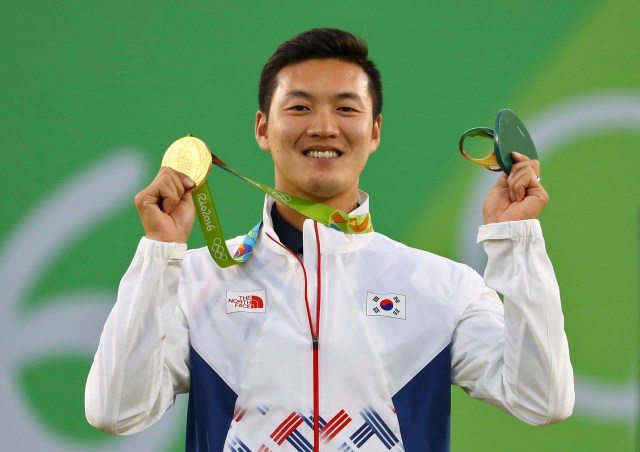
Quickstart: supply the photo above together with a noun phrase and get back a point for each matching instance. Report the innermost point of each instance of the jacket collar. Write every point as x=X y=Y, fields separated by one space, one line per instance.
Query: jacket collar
x=332 y=241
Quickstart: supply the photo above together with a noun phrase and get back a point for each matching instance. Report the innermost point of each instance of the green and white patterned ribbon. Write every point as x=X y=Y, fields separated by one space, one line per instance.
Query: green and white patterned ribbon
x=212 y=230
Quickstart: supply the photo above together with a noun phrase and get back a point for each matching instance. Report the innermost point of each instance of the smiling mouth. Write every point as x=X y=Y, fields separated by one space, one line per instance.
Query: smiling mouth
x=322 y=154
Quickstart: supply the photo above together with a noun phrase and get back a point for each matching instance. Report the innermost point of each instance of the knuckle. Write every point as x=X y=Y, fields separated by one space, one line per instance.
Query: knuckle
x=162 y=173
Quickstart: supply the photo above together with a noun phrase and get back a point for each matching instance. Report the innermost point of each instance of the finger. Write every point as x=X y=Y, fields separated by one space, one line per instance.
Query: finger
x=164 y=191
x=171 y=188
x=521 y=159
x=501 y=187
x=529 y=173
x=523 y=164
x=178 y=177
x=187 y=183
x=535 y=164
x=515 y=186
x=519 y=179
x=522 y=181
x=517 y=157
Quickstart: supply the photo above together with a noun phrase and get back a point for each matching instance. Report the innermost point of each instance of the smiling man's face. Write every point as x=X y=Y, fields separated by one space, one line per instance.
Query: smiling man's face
x=320 y=130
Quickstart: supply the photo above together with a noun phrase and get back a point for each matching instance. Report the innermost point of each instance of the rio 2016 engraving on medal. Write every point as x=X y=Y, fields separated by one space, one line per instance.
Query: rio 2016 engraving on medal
x=190 y=156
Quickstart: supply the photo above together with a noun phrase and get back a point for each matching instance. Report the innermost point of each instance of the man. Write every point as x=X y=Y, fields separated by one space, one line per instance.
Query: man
x=356 y=338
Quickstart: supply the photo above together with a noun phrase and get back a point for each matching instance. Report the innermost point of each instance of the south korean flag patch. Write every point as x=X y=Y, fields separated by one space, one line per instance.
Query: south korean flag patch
x=391 y=305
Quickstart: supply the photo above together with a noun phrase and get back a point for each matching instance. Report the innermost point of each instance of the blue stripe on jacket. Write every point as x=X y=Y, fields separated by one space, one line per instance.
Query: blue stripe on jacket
x=423 y=407
x=211 y=405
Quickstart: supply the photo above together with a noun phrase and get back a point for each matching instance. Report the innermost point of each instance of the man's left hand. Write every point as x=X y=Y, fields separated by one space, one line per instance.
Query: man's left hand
x=518 y=196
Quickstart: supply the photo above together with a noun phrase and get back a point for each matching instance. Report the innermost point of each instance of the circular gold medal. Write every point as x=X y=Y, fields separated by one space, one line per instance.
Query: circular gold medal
x=191 y=156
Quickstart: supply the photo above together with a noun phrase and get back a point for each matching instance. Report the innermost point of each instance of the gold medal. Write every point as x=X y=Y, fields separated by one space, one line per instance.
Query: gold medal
x=190 y=156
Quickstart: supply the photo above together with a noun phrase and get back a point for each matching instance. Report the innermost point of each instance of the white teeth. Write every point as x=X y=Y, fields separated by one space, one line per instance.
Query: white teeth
x=322 y=154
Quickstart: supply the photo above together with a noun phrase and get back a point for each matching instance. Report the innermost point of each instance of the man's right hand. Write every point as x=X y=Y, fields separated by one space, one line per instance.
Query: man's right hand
x=166 y=208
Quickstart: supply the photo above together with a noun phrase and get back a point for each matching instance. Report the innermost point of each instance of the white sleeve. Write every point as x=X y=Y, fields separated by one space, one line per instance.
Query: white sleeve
x=514 y=356
x=142 y=361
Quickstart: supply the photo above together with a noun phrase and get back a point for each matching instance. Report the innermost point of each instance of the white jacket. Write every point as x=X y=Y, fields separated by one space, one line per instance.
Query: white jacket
x=396 y=327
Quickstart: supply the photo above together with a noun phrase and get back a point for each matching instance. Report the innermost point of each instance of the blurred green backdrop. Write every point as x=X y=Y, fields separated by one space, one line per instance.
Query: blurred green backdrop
x=92 y=93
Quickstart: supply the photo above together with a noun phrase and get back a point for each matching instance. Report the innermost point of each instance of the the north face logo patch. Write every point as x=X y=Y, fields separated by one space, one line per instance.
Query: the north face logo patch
x=252 y=301
x=391 y=305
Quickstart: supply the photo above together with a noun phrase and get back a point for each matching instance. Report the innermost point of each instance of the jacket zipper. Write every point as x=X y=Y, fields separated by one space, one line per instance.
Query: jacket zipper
x=315 y=336
x=316 y=340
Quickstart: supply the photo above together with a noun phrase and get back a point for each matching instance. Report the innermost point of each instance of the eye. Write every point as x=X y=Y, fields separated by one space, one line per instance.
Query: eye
x=346 y=109
x=298 y=108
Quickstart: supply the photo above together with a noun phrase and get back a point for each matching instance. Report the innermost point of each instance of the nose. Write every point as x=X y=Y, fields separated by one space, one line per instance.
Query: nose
x=323 y=124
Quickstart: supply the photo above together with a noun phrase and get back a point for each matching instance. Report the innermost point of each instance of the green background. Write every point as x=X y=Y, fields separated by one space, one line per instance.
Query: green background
x=83 y=80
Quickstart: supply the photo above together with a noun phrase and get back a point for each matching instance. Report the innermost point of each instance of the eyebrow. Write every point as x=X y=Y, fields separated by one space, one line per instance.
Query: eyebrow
x=343 y=95
x=298 y=93
x=349 y=95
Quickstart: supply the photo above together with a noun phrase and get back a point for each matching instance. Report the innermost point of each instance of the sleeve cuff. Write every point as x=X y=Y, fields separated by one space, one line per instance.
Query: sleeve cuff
x=512 y=230
x=161 y=250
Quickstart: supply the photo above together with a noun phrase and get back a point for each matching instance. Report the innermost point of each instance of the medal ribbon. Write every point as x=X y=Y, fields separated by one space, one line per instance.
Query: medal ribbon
x=212 y=230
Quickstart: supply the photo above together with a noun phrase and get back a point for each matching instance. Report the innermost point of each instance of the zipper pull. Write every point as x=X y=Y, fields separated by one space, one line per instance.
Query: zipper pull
x=315 y=341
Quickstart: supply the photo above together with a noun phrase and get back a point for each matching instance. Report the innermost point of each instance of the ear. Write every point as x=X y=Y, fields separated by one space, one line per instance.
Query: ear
x=261 y=131
x=375 y=134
